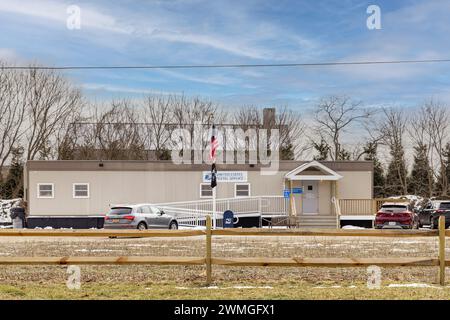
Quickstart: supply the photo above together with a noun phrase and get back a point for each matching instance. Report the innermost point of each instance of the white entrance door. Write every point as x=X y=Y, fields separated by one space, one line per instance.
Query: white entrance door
x=310 y=197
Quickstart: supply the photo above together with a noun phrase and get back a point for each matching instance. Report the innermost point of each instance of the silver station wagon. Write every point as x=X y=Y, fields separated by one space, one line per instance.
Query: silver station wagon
x=139 y=216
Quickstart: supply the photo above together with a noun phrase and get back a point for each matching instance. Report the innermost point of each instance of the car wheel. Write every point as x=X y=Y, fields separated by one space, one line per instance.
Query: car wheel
x=142 y=226
x=173 y=225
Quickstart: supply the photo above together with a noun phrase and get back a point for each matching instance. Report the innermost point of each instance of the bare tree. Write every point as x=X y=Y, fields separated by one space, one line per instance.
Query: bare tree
x=109 y=132
x=248 y=117
x=12 y=112
x=334 y=116
x=51 y=100
x=117 y=133
x=158 y=115
x=437 y=120
x=289 y=123
x=393 y=125
x=68 y=137
x=292 y=133
x=419 y=133
x=246 y=120
x=188 y=111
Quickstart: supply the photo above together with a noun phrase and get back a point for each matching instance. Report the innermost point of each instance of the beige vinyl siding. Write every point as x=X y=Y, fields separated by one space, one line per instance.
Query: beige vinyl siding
x=111 y=187
x=325 y=198
x=115 y=187
x=355 y=185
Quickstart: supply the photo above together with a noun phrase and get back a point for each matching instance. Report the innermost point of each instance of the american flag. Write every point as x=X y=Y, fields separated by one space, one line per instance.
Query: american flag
x=212 y=156
x=214 y=144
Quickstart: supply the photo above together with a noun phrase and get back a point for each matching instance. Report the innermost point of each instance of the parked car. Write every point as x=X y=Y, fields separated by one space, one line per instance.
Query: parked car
x=396 y=216
x=430 y=213
x=139 y=216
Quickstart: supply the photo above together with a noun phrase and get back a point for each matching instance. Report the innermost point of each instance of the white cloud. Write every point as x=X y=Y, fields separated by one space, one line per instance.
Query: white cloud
x=417 y=31
x=211 y=41
x=123 y=89
x=243 y=37
x=216 y=79
x=8 y=55
x=57 y=11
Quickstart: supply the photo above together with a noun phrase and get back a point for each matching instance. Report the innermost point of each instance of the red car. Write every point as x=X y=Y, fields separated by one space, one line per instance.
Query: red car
x=396 y=216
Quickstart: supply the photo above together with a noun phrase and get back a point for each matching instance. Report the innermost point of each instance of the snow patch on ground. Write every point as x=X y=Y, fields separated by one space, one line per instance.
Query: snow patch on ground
x=191 y=228
x=393 y=285
x=95 y=250
x=401 y=250
x=353 y=227
x=226 y=288
x=412 y=285
x=251 y=287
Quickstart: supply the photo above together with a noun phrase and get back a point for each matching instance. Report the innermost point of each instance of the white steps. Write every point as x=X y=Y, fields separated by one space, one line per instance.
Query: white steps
x=317 y=221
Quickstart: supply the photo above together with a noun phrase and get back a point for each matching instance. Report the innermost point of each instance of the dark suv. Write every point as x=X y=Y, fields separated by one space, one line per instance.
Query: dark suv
x=430 y=213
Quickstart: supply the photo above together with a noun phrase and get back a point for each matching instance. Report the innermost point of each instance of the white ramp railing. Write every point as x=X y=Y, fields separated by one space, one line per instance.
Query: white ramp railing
x=188 y=217
x=193 y=213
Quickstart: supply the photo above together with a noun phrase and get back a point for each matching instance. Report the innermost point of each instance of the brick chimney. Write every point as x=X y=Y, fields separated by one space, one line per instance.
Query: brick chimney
x=268 y=118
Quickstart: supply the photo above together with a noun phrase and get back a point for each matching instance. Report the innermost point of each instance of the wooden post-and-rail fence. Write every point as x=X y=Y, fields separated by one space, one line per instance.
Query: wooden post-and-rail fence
x=208 y=260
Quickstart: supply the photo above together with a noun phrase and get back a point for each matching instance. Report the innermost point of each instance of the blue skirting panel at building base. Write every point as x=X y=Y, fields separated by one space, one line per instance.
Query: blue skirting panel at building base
x=65 y=222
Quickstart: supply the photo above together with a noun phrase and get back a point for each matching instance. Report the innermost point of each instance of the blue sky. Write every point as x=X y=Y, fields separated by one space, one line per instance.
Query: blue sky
x=226 y=32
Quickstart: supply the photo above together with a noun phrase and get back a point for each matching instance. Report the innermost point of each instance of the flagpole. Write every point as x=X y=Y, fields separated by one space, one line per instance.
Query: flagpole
x=213 y=169
x=214 y=208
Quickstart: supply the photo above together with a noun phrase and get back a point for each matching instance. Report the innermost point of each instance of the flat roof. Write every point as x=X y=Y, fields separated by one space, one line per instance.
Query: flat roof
x=168 y=165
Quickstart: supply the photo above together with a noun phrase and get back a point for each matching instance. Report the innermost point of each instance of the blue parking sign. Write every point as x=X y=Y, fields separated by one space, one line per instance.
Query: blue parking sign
x=286 y=193
x=297 y=190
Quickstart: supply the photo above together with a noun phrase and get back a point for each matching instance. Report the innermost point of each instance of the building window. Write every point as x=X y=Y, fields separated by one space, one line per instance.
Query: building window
x=242 y=190
x=205 y=190
x=81 y=190
x=46 y=190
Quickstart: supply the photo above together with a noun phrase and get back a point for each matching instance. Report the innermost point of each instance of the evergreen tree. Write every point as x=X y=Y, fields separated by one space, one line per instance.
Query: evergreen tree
x=420 y=181
x=370 y=151
x=287 y=152
x=396 y=177
x=12 y=186
x=344 y=155
x=323 y=149
x=163 y=154
x=439 y=187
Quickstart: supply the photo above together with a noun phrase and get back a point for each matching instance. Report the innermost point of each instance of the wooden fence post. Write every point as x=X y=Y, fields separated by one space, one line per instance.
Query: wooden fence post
x=442 y=250
x=208 y=250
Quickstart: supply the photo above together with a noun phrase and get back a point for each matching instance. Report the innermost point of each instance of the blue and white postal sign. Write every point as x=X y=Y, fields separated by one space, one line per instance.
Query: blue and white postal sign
x=226 y=176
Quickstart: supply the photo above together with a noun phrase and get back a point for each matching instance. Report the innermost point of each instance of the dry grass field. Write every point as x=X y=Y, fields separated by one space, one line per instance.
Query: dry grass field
x=180 y=282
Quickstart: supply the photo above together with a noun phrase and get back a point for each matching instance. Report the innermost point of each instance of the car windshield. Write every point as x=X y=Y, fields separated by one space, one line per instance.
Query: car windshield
x=119 y=211
x=444 y=205
x=393 y=208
